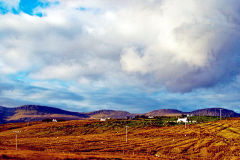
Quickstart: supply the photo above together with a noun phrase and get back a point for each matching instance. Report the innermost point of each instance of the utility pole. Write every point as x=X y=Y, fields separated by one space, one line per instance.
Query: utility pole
x=16 y=137
x=126 y=132
x=220 y=114
x=199 y=116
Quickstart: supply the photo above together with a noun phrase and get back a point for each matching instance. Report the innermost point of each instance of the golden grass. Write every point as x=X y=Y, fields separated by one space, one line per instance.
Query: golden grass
x=86 y=139
x=228 y=134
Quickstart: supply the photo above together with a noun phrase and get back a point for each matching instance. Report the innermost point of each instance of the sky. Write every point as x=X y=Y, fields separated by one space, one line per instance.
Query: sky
x=131 y=55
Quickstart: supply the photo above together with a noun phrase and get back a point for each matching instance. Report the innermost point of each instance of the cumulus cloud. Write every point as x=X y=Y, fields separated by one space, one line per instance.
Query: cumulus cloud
x=179 y=45
x=196 y=46
x=10 y=4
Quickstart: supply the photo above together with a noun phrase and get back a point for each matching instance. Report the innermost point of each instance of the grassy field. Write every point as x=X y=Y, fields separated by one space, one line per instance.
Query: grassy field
x=147 y=139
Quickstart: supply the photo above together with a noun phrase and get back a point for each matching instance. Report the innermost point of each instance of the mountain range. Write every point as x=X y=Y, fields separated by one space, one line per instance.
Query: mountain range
x=36 y=112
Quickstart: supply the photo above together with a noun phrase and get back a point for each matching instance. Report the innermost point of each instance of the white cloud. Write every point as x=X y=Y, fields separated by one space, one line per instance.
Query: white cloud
x=180 y=45
x=10 y=3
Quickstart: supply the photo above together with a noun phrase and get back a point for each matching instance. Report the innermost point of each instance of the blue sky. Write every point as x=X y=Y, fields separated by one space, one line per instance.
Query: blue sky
x=136 y=56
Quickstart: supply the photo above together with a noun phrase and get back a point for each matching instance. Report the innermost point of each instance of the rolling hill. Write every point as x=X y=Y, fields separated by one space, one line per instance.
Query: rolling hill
x=28 y=113
x=4 y=113
x=35 y=112
x=109 y=114
x=206 y=112
x=216 y=112
x=164 y=112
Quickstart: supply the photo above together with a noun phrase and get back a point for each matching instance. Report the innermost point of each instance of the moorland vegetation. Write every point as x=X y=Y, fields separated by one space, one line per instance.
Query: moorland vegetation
x=210 y=138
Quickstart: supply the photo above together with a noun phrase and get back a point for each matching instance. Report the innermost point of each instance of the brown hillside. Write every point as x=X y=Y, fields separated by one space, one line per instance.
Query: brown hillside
x=86 y=139
x=35 y=113
x=28 y=113
x=109 y=114
x=216 y=112
x=164 y=112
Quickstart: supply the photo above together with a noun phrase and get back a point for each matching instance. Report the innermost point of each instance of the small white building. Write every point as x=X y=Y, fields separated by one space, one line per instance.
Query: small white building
x=54 y=120
x=103 y=119
x=150 y=116
x=189 y=115
x=184 y=120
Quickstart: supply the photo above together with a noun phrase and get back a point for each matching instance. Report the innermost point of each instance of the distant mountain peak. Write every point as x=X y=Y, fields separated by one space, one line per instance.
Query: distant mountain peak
x=28 y=107
x=216 y=112
x=163 y=112
x=37 y=112
x=109 y=114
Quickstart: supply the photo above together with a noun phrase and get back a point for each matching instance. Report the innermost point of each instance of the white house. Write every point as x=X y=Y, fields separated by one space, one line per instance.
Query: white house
x=103 y=119
x=189 y=115
x=150 y=116
x=185 y=120
x=54 y=120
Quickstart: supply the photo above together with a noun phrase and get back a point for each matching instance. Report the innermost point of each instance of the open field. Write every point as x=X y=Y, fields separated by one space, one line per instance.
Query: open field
x=91 y=139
